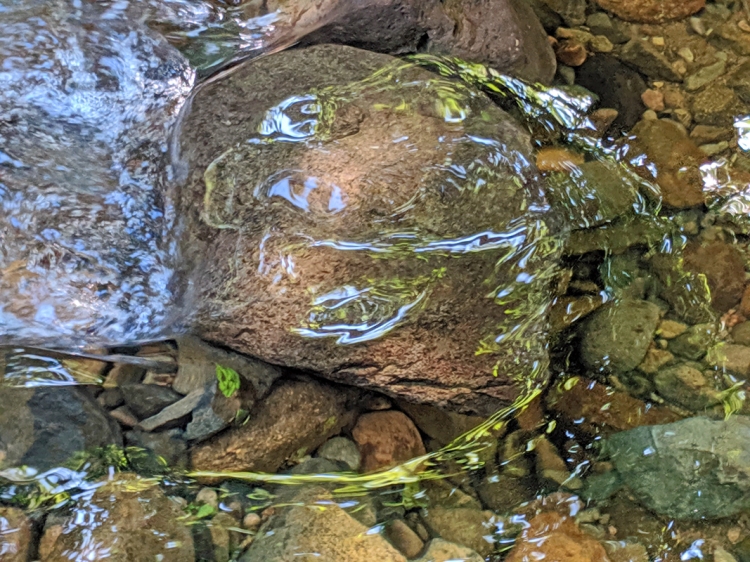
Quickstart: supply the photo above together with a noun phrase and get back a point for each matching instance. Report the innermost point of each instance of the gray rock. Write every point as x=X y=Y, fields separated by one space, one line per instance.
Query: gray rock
x=331 y=533
x=173 y=414
x=135 y=521
x=197 y=367
x=704 y=76
x=695 y=342
x=644 y=57
x=691 y=469
x=572 y=12
x=740 y=81
x=169 y=446
x=465 y=526
x=601 y=24
x=343 y=450
x=439 y=550
x=43 y=427
x=145 y=400
x=212 y=413
x=618 y=87
x=687 y=387
x=592 y=194
x=617 y=336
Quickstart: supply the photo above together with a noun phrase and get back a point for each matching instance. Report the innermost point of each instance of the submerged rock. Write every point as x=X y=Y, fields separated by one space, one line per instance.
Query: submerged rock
x=126 y=519
x=617 y=336
x=44 y=427
x=294 y=420
x=15 y=535
x=652 y=11
x=348 y=218
x=313 y=523
x=691 y=469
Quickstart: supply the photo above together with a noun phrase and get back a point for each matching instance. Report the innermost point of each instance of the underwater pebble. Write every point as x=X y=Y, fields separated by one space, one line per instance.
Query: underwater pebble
x=551 y=536
x=653 y=99
x=675 y=156
x=386 y=439
x=616 y=337
x=646 y=58
x=570 y=52
x=15 y=535
x=724 y=267
x=404 y=538
x=741 y=333
x=687 y=387
x=251 y=521
x=655 y=359
x=670 y=329
x=558 y=159
x=439 y=550
x=597 y=409
x=341 y=449
x=704 y=76
x=730 y=357
x=713 y=149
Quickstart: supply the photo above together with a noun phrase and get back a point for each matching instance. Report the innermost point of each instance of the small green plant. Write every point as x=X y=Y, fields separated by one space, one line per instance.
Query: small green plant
x=229 y=380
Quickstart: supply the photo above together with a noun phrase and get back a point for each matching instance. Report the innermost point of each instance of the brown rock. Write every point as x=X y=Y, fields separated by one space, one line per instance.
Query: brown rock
x=312 y=289
x=674 y=157
x=652 y=11
x=653 y=99
x=730 y=357
x=467 y=526
x=557 y=159
x=570 y=52
x=724 y=268
x=127 y=519
x=311 y=521
x=403 y=538
x=15 y=535
x=386 y=439
x=551 y=536
x=298 y=416
x=745 y=302
x=438 y=424
x=599 y=410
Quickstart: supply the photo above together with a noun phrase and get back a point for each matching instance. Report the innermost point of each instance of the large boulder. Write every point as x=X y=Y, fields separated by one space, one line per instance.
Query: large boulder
x=505 y=34
x=355 y=215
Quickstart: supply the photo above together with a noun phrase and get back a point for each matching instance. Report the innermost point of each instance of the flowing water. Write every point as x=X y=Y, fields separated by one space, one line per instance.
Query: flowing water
x=92 y=262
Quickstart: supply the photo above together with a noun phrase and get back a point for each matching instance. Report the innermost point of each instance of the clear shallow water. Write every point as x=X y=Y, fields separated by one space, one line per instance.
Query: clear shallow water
x=116 y=179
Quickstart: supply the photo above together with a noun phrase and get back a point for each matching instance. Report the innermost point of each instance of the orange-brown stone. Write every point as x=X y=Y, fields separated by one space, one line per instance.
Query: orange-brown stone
x=652 y=11
x=551 y=536
x=386 y=439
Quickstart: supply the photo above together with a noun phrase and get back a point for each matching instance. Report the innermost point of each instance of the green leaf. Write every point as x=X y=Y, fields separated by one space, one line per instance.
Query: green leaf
x=229 y=380
x=205 y=511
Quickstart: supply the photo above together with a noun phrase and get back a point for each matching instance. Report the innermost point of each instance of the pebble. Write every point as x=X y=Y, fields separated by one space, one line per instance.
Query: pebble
x=174 y=412
x=207 y=496
x=597 y=409
x=721 y=555
x=251 y=521
x=713 y=149
x=644 y=56
x=676 y=158
x=551 y=536
x=124 y=416
x=694 y=343
x=687 y=387
x=570 y=52
x=404 y=538
x=741 y=333
x=730 y=357
x=655 y=359
x=704 y=76
x=557 y=159
x=702 y=134
x=715 y=105
x=724 y=267
x=745 y=302
x=341 y=449
x=686 y=54
x=670 y=329
x=653 y=99
x=15 y=535
x=386 y=439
